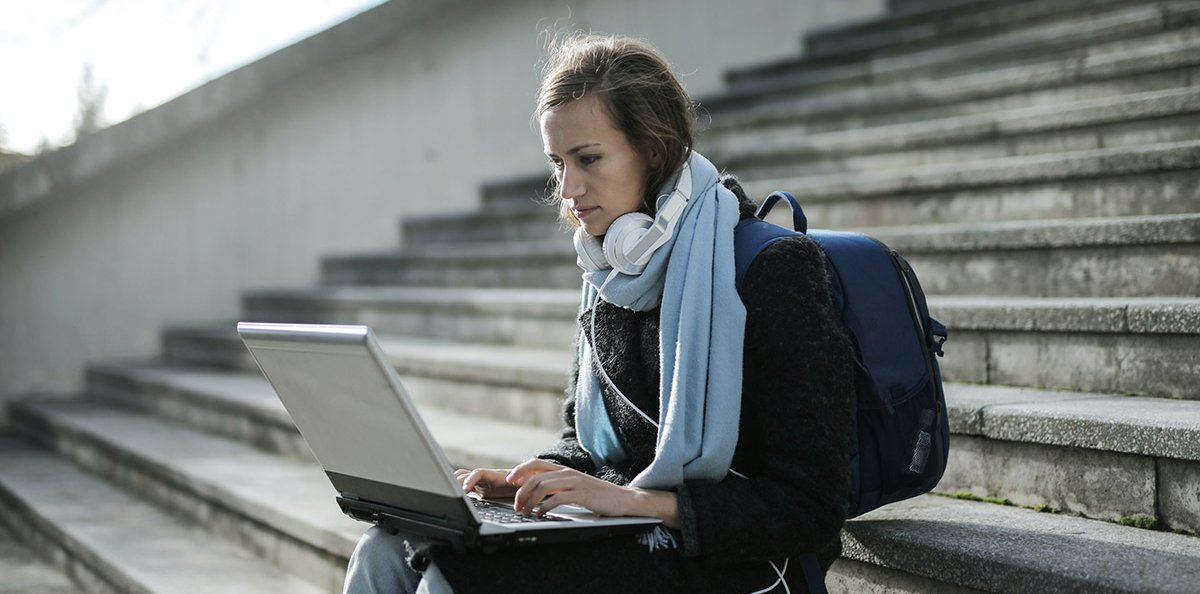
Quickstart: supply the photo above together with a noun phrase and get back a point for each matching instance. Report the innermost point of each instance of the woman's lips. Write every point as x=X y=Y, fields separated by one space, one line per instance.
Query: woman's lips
x=583 y=212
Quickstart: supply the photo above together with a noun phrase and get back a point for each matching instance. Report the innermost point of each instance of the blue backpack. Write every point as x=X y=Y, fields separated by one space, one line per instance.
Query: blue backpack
x=902 y=433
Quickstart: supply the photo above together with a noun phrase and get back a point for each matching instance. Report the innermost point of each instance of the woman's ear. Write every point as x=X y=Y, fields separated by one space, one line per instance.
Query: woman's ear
x=655 y=159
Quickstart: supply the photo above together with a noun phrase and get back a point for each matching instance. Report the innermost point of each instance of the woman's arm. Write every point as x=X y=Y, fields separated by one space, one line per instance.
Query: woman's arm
x=794 y=438
x=542 y=489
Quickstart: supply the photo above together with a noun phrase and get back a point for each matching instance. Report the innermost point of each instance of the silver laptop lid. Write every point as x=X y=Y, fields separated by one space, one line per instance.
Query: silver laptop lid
x=348 y=403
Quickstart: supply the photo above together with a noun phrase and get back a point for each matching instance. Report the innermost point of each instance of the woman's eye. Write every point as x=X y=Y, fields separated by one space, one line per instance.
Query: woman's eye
x=589 y=159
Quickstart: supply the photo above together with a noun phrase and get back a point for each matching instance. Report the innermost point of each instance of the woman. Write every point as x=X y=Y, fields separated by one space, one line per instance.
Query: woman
x=715 y=413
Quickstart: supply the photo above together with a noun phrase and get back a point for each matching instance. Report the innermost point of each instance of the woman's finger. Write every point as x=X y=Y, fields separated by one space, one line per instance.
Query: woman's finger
x=483 y=478
x=556 y=500
x=530 y=495
x=528 y=468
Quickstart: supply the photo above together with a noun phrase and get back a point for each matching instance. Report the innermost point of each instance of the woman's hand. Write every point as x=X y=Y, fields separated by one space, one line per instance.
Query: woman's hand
x=544 y=486
x=487 y=482
x=493 y=483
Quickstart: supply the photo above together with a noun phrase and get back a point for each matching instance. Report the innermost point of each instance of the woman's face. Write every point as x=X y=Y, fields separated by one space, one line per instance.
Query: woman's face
x=600 y=175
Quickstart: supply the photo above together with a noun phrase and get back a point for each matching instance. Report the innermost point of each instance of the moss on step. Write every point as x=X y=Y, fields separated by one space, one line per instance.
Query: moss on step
x=1142 y=521
x=968 y=496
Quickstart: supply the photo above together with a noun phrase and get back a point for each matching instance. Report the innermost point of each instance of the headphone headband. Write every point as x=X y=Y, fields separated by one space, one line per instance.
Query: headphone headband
x=633 y=237
x=665 y=219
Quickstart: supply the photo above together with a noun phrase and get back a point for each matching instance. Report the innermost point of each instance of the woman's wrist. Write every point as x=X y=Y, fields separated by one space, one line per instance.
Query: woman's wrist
x=663 y=505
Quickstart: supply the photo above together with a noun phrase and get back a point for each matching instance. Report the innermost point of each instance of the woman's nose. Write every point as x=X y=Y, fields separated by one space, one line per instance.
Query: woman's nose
x=570 y=185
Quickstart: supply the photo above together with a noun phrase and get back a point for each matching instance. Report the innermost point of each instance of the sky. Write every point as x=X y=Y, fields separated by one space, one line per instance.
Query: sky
x=143 y=52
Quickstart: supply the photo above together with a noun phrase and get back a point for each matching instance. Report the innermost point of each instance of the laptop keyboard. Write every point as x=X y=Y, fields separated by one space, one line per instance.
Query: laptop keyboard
x=505 y=514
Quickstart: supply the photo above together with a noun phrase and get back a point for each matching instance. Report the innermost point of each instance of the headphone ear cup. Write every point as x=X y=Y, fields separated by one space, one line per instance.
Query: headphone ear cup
x=590 y=252
x=622 y=234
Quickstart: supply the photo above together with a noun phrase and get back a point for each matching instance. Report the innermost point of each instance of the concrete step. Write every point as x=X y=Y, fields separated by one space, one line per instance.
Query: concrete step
x=1150 y=256
x=280 y=508
x=522 y=317
x=1126 y=256
x=291 y=506
x=927 y=543
x=1144 y=346
x=999 y=45
x=911 y=25
x=1102 y=456
x=1053 y=343
x=793 y=148
x=1140 y=454
x=513 y=263
x=505 y=383
x=539 y=222
x=1156 y=179
x=520 y=194
x=881 y=540
x=902 y=7
x=26 y=573
x=1143 y=447
x=1136 y=346
x=1156 y=62
x=111 y=541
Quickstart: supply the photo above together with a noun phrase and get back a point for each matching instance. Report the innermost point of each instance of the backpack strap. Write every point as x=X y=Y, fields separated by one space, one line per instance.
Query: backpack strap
x=751 y=236
x=799 y=221
x=813 y=576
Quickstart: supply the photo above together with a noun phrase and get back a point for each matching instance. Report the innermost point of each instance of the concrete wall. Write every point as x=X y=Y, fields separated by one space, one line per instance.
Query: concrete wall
x=316 y=150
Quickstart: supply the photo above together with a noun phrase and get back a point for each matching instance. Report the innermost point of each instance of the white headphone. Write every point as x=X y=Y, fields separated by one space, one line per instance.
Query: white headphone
x=633 y=237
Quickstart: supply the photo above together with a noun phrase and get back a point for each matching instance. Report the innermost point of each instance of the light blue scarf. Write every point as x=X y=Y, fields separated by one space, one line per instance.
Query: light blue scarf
x=701 y=328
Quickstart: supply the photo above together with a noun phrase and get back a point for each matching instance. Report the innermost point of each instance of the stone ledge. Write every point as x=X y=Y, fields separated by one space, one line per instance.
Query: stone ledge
x=1154 y=427
x=1169 y=315
x=988 y=173
x=120 y=543
x=417 y=223
x=291 y=496
x=249 y=397
x=1121 y=315
x=1060 y=37
x=199 y=471
x=529 y=302
x=1040 y=234
x=242 y=405
x=915 y=22
x=491 y=364
x=26 y=573
x=1143 y=426
x=1002 y=549
x=772 y=103
x=802 y=140
x=941 y=238
x=486 y=252
x=542 y=369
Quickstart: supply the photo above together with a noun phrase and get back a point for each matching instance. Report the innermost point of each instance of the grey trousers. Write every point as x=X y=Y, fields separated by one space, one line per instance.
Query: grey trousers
x=378 y=566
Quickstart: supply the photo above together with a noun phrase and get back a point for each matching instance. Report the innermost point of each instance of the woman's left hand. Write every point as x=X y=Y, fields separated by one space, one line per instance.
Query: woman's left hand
x=543 y=491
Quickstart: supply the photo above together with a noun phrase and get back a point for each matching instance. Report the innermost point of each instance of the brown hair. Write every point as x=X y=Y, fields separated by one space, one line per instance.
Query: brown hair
x=638 y=91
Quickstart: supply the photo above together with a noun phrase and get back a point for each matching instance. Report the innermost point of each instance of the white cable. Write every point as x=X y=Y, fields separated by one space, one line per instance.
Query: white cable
x=600 y=364
x=596 y=356
x=787 y=589
x=780 y=579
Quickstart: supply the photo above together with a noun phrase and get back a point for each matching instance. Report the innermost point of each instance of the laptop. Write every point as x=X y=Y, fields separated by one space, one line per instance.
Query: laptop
x=349 y=405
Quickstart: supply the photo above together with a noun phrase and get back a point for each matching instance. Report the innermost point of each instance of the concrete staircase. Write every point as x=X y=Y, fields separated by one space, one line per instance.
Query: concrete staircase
x=1038 y=161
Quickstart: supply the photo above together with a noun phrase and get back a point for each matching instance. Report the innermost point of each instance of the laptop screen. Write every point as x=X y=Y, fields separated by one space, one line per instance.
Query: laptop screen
x=345 y=399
